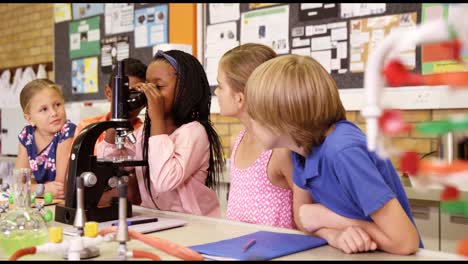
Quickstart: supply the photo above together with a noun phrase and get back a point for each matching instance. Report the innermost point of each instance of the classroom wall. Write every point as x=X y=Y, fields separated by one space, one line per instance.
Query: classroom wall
x=26 y=32
x=422 y=144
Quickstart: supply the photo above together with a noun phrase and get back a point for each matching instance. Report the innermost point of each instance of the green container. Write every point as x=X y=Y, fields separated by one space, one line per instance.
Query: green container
x=19 y=239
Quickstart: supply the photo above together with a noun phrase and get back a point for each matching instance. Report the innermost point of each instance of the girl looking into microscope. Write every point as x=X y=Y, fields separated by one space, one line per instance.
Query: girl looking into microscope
x=183 y=150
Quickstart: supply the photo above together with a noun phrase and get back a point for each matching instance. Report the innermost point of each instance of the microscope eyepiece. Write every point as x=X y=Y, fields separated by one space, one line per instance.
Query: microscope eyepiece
x=136 y=99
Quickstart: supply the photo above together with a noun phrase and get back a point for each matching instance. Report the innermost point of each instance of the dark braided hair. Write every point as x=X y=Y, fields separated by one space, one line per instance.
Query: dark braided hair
x=191 y=103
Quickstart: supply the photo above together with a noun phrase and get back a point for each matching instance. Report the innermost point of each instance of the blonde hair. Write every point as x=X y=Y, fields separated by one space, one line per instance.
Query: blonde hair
x=239 y=62
x=34 y=87
x=294 y=95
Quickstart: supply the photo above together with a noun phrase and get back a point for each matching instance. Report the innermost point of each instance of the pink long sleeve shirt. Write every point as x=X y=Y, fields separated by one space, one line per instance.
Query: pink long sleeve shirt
x=178 y=165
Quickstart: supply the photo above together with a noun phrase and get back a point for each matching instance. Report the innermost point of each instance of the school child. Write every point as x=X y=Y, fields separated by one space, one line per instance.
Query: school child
x=182 y=148
x=359 y=201
x=260 y=180
x=45 y=144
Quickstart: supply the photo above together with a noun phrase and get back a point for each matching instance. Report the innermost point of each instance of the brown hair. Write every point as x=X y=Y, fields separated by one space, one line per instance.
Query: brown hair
x=294 y=95
x=32 y=88
x=239 y=62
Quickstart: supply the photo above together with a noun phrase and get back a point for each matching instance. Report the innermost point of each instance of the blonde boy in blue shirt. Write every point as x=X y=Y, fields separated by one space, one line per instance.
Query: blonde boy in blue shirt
x=342 y=193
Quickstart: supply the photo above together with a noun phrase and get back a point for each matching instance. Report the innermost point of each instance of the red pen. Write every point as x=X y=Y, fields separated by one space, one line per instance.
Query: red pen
x=249 y=245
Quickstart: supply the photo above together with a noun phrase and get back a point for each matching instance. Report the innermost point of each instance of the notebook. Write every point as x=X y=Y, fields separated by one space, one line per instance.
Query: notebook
x=161 y=224
x=268 y=245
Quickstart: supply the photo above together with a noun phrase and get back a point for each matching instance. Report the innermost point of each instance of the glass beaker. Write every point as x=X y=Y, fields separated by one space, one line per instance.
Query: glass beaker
x=21 y=226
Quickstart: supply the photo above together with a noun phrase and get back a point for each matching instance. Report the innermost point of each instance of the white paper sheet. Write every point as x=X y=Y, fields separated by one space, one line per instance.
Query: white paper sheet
x=342 y=50
x=297 y=42
x=311 y=6
x=321 y=43
x=323 y=57
x=222 y=12
x=141 y=39
x=339 y=33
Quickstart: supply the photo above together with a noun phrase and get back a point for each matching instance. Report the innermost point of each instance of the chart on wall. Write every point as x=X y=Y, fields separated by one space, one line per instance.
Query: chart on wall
x=151 y=26
x=85 y=37
x=84 y=75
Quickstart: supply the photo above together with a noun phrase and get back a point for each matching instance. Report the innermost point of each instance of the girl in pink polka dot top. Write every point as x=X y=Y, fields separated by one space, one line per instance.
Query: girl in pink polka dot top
x=260 y=180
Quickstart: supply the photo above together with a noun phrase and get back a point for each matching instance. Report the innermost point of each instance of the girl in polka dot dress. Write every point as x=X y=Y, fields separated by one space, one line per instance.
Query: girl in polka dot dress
x=260 y=180
x=45 y=144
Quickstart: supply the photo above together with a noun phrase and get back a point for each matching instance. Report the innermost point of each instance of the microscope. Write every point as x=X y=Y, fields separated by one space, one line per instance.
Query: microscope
x=88 y=177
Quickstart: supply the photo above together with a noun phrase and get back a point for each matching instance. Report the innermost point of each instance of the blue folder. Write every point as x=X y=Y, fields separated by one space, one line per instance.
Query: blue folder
x=269 y=245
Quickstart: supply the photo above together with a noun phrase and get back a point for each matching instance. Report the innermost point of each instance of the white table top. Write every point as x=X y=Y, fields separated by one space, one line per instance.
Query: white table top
x=202 y=229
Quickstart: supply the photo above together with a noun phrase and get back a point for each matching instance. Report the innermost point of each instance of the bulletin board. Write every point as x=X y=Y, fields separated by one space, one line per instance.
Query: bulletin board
x=348 y=34
x=64 y=58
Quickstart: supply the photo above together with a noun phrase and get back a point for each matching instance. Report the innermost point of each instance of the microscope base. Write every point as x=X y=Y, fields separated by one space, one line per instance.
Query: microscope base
x=66 y=215
x=85 y=253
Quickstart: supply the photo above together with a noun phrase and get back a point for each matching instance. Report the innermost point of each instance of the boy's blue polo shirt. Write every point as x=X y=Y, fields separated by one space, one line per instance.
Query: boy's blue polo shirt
x=345 y=177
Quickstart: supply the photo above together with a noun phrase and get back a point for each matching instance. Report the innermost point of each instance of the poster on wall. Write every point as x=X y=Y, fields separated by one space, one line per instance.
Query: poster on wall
x=151 y=26
x=85 y=76
x=118 y=18
x=85 y=37
x=366 y=33
x=268 y=26
x=435 y=57
x=223 y=12
x=114 y=49
x=86 y=10
x=62 y=12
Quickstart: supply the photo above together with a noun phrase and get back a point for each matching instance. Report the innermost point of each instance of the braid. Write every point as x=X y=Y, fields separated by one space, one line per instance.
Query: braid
x=146 y=135
x=191 y=103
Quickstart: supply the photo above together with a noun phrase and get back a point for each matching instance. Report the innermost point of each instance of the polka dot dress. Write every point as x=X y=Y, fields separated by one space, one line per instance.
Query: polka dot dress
x=253 y=199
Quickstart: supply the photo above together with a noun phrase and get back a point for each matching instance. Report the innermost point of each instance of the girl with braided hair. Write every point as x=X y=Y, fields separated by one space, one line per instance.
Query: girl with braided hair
x=182 y=148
